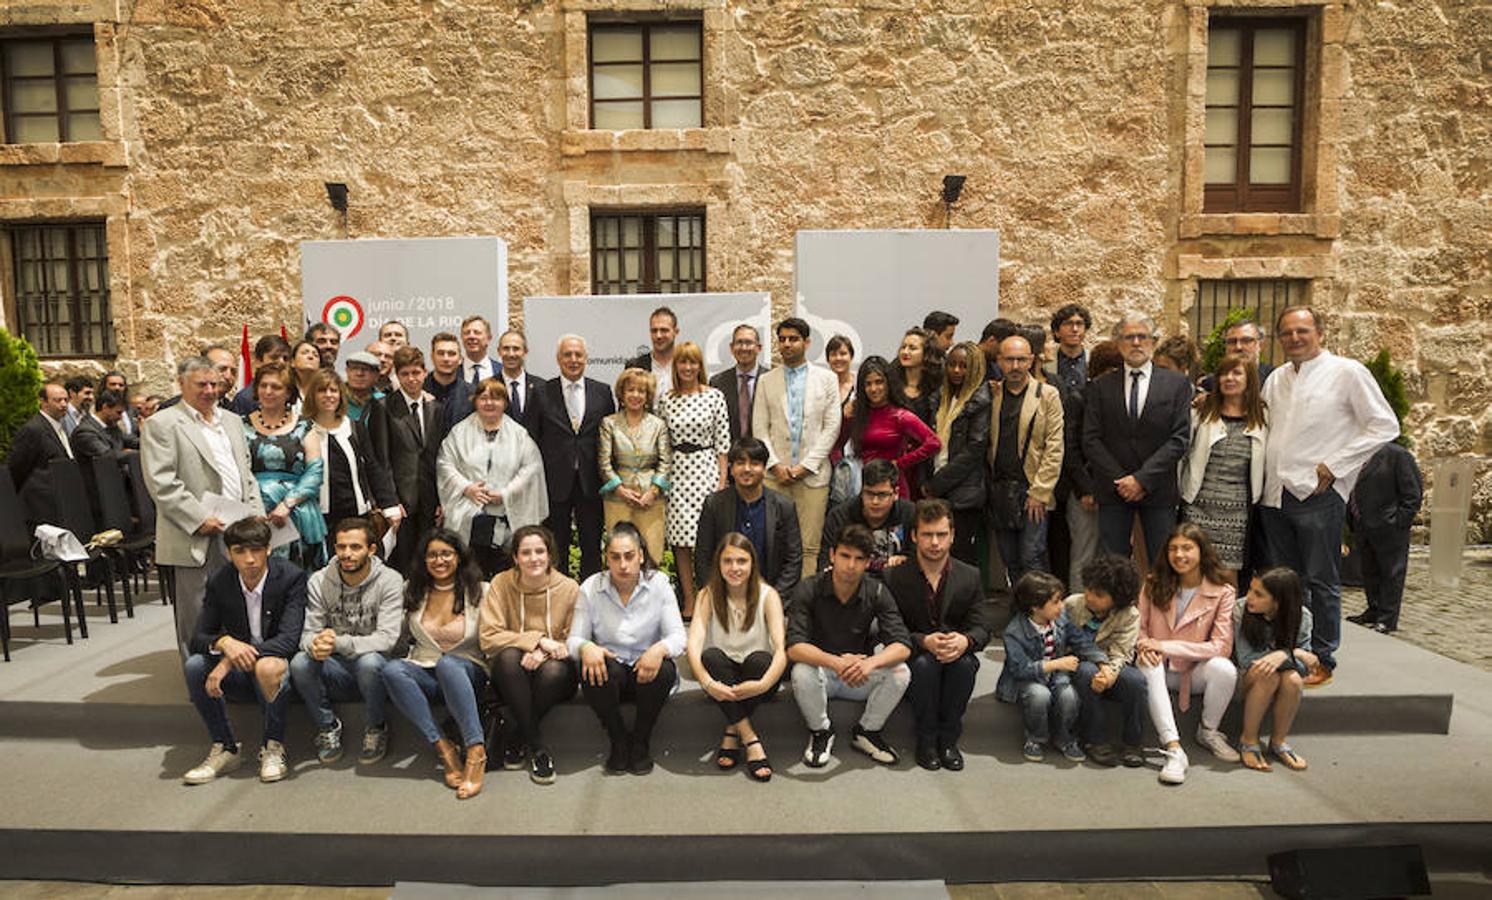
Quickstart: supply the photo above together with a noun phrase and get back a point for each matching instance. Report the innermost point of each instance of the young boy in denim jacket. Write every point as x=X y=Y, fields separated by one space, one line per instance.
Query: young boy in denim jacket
x=1042 y=651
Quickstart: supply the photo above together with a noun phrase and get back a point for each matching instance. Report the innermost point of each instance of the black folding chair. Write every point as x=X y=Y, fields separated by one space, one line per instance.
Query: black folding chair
x=25 y=579
x=77 y=516
x=114 y=512
x=143 y=507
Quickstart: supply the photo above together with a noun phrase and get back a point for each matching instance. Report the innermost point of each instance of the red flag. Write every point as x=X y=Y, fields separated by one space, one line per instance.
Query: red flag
x=283 y=333
x=246 y=365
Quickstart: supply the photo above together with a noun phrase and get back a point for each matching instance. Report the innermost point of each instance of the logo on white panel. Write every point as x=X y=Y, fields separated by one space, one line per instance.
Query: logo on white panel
x=345 y=314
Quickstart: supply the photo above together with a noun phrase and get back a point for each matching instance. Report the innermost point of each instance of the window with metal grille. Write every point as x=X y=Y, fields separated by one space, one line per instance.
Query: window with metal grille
x=49 y=90
x=1255 y=85
x=1265 y=298
x=647 y=75
x=62 y=288
x=648 y=252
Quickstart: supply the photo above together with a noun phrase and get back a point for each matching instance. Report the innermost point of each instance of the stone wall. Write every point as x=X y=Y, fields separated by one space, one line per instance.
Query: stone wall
x=1077 y=124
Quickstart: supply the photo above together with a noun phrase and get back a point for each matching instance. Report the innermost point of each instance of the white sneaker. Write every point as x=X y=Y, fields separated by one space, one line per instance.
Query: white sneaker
x=1214 y=740
x=1174 y=771
x=218 y=762
x=272 y=761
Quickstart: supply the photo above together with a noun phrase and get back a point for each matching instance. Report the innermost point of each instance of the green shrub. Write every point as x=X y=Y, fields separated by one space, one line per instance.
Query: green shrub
x=20 y=379
x=1390 y=380
x=665 y=565
x=1214 y=348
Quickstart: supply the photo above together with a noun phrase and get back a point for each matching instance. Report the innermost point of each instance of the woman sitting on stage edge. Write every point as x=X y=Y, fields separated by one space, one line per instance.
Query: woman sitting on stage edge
x=526 y=619
x=626 y=632
x=1271 y=642
x=738 y=648
x=445 y=662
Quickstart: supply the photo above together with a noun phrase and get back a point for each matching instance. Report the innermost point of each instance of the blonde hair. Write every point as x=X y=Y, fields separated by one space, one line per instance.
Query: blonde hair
x=688 y=352
x=649 y=384
x=319 y=381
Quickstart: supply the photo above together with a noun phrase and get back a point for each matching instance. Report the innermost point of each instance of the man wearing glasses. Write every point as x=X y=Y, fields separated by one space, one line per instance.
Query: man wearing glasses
x=738 y=383
x=1136 y=426
x=877 y=507
x=1070 y=326
x=1327 y=417
x=1245 y=338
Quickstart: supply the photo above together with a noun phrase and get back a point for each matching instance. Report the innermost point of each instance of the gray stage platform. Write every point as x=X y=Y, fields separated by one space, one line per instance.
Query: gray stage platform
x=95 y=737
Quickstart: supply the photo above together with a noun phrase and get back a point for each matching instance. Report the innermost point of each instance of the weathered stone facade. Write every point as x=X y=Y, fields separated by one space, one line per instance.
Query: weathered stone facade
x=1078 y=124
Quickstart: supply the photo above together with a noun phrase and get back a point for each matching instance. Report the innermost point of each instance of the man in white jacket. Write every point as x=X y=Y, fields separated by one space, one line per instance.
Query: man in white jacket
x=354 y=610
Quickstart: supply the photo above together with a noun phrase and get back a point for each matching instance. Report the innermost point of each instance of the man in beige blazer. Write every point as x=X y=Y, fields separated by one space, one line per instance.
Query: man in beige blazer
x=1025 y=458
x=188 y=450
x=796 y=414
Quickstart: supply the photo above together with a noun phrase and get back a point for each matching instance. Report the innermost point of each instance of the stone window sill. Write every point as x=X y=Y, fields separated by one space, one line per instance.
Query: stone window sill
x=102 y=153
x=579 y=142
x=1197 y=225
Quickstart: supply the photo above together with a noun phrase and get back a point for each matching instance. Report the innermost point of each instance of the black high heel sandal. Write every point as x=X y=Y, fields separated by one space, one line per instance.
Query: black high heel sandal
x=754 y=767
x=729 y=757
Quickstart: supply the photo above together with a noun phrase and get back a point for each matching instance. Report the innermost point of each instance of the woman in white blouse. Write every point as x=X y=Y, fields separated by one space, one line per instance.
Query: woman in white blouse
x=626 y=632
x=354 y=482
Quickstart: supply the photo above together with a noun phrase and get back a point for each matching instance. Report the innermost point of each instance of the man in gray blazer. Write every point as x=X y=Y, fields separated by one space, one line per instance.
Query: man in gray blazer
x=738 y=383
x=187 y=451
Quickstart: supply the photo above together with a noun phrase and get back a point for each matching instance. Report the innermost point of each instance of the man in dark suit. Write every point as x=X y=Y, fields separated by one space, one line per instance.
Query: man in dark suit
x=512 y=349
x=410 y=432
x=1384 y=502
x=738 y=383
x=1136 y=426
x=566 y=424
x=99 y=434
x=249 y=628
x=768 y=519
x=32 y=450
x=943 y=605
x=663 y=329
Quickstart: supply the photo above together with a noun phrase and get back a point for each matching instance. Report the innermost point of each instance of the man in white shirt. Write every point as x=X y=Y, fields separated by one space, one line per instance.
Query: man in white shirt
x=188 y=451
x=79 y=402
x=1327 y=416
x=663 y=329
x=796 y=414
x=512 y=349
x=476 y=337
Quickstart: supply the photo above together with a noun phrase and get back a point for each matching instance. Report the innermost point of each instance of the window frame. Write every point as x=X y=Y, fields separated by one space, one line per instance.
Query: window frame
x=1240 y=195
x=647 y=99
x=62 y=115
x=648 y=281
x=43 y=335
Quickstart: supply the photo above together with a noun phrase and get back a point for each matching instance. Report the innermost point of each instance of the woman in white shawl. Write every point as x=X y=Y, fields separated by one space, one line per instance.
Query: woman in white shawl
x=491 y=478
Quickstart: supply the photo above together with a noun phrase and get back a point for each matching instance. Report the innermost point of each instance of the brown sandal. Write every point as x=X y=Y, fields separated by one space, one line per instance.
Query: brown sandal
x=1252 y=757
x=476 y=767
x=451 y=759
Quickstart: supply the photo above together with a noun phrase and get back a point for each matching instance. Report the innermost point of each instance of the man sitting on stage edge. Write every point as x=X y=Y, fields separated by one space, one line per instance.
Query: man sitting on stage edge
x=354 y=610
x=886 y=516
x=249 y=627
x=830 y=639
x=949 y=619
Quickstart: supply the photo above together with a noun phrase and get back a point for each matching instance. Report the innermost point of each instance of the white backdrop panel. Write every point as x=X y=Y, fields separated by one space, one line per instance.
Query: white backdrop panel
x=429 y=284
x=873 y=285
x=615 y=327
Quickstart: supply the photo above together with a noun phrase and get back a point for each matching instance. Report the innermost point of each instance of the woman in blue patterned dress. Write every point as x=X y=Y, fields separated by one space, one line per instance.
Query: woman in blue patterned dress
x=286 y=458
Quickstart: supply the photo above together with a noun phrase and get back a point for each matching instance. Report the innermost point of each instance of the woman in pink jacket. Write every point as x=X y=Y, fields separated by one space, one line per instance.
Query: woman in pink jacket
x=1185 y=644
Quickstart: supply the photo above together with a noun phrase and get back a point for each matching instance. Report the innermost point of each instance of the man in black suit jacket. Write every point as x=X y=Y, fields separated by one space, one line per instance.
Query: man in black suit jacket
x=249 y=628
x=771 y=527
x=663 y=329
x=943 y=605
x=741 y=379
x=1136 y=427
x=566 y=424
x=512 y=349
x=1385 y=500
x=411 y=443
x=32 y=449
x=98 y=433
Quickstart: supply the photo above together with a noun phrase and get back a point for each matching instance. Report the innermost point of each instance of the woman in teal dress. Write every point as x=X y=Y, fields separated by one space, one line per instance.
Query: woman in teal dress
x=286 y=458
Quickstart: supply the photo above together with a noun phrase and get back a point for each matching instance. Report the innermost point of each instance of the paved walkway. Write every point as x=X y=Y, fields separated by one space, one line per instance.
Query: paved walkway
x=1454 y=623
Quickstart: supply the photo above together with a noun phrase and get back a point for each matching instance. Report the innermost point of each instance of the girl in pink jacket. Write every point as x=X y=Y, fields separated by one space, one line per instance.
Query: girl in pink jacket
x=1185 y=644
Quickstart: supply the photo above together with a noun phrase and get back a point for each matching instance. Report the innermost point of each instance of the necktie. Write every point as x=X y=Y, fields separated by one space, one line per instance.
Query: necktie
x=476 y=371
x=572 y=403
x=1134 y=394
x=743 y=404
x=419 y=424
x=515 y=397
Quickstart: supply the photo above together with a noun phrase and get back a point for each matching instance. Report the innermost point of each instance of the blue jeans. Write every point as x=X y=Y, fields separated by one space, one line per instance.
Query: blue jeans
x=1023 y=550
x=1306 y=535
x=1049 y=711
x=239 y=687
x=1116 y=522
x=340 y=680
x=455 y=681
x=1128 y=691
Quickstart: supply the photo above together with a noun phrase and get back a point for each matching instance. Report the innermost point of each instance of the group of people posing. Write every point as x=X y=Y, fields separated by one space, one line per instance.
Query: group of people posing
x=832 y=517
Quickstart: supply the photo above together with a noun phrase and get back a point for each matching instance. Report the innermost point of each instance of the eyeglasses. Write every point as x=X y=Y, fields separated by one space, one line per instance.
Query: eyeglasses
x=880 y=495
x=1134 y=338
x=1240 y=341
x=434 y=555
x=1073 y=323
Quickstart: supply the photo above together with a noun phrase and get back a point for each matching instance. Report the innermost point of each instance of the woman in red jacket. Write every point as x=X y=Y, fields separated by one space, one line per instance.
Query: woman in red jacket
x=1185 y=644
x=883 y=429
